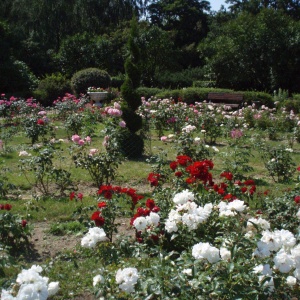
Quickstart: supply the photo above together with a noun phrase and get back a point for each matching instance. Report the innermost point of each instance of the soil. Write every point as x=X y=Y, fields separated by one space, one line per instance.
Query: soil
x=44 y=245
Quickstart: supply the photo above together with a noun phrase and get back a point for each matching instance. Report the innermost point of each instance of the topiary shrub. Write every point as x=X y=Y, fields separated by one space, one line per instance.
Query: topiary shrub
x=132 y=144
x=52 y=87
x=85 y=78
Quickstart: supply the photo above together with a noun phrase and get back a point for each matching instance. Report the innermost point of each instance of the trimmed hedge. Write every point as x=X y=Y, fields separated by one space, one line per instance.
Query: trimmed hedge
x=261 y=97
x=86 y=78
x=293 y=105
x=193 y=94
x=148 y=92
x=190 y=95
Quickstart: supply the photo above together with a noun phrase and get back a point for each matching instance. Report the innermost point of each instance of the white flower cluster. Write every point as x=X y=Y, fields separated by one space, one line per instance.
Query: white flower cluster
x=142 y=223
x=188 y=214
x=231 y=208
x=282 y=245
x=32 y=286
x=206 y=251
x=189 y=128
x=183 y=197
x=93 y=236
x=265 y=271
x=253 y=224
x=127 y=278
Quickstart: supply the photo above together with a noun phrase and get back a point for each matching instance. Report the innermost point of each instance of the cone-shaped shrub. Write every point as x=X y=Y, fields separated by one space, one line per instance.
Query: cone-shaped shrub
x=132 y=144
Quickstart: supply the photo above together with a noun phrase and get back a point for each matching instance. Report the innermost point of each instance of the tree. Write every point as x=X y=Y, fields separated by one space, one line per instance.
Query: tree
x=289 y=7
x=255 y=52
x=186 y=20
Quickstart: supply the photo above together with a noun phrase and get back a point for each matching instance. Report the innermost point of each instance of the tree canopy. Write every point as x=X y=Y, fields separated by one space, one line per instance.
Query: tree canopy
x=253 y=44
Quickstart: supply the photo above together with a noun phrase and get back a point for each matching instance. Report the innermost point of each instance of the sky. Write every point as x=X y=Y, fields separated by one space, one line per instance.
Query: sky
x=216 y=4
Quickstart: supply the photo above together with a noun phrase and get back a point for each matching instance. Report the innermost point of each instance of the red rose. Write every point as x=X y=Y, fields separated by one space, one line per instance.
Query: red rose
x=40 y=122
x=72 y=195
x=23 y=223
x=173 y=165
x=227 y=175
x=80 y=196
x=297 y=199
x=244 y=189
x=7 y=206
x=101 y=204
x=178 y=174
x=150 y=203
x=97 y=218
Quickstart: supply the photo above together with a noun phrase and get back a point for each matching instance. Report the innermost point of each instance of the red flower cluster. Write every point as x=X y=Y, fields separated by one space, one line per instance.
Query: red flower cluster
x=107 y=192
x=5 y=206
x=244 y=189
x=199 y=170
x=153 y=179
x=79 y=196
x=227 y=175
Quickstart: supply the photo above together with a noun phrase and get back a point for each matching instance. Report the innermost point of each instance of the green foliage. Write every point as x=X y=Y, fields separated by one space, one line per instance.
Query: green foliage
x=60 y=228
x=260 y=98
x=279 y=163
x=17 y=78
x=49 y=179
x=14 y=231
x=102 y=167
x=83 y=79
x=52 y=87
x=293 y=105
x=36 y=127
x=189 y=95
x=204 y=83
x=117 y=81
x=5 y=185
x=134 y=122
x=281 y=210
x=147 y=92
x=131 y=96
x=238 y=54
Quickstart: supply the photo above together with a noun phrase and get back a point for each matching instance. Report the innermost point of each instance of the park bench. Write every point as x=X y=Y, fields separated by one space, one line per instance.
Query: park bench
x=234 y=100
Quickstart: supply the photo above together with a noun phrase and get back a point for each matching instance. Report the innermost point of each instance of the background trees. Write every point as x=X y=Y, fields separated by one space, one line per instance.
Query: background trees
x=252 y=45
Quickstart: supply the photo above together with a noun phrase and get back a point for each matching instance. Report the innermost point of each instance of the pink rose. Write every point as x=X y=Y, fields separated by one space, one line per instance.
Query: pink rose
x=122 y=124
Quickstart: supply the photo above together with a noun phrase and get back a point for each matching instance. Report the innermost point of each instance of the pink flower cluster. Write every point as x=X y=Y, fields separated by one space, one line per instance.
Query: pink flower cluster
x=114 y=111
x=80 y=141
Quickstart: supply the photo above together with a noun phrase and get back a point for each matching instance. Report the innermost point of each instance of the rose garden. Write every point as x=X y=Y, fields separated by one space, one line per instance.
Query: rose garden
x=210 y=210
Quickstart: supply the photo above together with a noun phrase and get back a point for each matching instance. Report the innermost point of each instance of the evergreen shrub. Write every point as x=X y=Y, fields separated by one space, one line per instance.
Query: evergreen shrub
x=86 y=78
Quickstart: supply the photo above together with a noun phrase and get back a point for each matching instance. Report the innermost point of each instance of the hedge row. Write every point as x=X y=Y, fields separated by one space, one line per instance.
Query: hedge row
x=193 y=94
